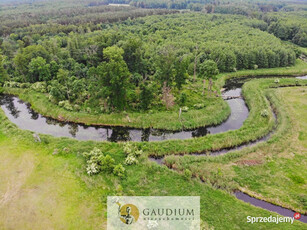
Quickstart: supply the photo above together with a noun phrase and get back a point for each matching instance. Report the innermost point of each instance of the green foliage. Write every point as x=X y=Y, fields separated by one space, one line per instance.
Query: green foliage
x=132 y=153
x=39 y=87
x=165 y=64
x=107 y=163
x=264 y=113
x=25 y=56
x=183 y=98
x=289 y=26
x=66 y=105
x=129 y=62
x=97 y=162
x=187 y=174
x=181 y=67
x=3 y=73
x=130 y=160
x=93 y=161
x=113 y=75
x=146 y=96
x=38 y=70
x=119 y=170
x=208 y=69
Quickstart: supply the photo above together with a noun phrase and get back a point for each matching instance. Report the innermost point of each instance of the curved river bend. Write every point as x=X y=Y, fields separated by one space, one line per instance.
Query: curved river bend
x=21 y=114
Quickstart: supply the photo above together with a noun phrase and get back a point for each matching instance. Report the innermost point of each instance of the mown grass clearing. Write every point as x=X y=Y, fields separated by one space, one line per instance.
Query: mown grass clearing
x=39 y=190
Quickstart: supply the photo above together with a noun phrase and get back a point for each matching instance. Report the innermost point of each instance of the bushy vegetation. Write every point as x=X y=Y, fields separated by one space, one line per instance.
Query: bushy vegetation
x=98 y=162
x=291 y=26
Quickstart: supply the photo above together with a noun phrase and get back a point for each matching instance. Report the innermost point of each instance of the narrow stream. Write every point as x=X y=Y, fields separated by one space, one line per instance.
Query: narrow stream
x=243 y=196
x=268 y=206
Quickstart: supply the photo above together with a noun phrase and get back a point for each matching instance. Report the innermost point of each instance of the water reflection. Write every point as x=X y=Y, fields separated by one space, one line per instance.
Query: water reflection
x=24 y=117
x=8 y=102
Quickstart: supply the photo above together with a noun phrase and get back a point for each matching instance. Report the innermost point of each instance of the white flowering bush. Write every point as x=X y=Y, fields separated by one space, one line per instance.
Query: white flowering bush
x=264 y=113
x=128 y=148
x=130 y=160
x=66 y=105
x=39 y=87
x=11 y=84
x=185 y=109
x=97 y=162
x=93 y=161
x=92 y=168
x=132 y=153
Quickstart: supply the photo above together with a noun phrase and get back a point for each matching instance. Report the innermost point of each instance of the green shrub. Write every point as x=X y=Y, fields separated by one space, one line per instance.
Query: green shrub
x=61 y=103
x=66 y=105
x=25 y=85
x=39 y=87
x=93 y=161
x=185 y=109
x=130 y=160
x=11 y=84
x=128 y=148
x=187 y=174
x=199 y=106
x=182 y=98
x=77 y=107
x=119 y=170
x=107 y=163
x=264 y=113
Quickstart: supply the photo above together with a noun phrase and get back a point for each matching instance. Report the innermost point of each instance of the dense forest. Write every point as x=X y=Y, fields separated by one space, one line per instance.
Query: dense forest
x=65 y=16
x=84 y=54
x=144 y=59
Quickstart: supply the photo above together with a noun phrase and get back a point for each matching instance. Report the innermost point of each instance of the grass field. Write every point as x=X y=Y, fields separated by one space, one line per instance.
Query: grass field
x=39 y=190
